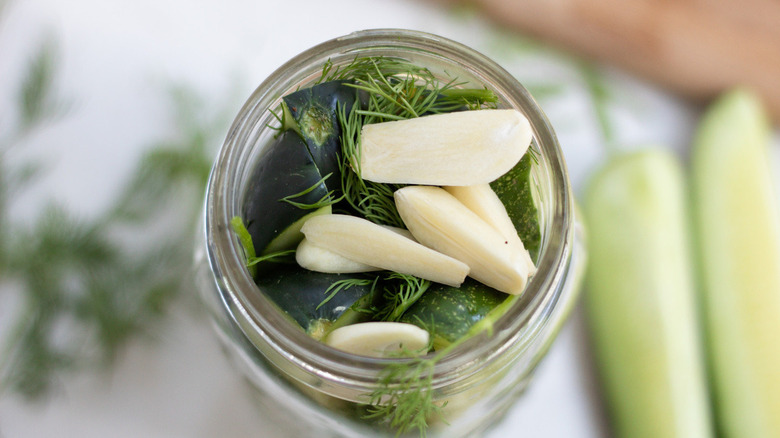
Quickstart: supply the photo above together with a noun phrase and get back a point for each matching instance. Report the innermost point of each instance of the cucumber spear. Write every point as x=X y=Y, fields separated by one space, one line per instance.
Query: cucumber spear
x=739 y=246
x=640 y=298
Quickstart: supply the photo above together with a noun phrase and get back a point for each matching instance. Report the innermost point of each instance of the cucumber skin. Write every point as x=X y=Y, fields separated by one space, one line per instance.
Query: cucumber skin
x=298 y=292
x=315 y=113
x=448 y=313
x=739 y=247
x=514 y=190
x=286 y=169
x=640 y=299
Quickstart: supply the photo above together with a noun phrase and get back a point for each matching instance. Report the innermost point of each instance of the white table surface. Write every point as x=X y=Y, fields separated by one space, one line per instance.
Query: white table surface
x=116 y=57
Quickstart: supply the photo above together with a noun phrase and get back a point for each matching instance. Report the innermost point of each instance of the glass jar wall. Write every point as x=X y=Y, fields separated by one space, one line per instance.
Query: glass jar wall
x=303 y=385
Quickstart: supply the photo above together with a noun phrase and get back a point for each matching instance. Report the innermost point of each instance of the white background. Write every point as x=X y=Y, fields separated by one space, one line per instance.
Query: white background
x=116 y=57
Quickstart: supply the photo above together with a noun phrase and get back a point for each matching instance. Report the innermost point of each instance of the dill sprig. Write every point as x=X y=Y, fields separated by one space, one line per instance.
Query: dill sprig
x=345 y=284
x=326 y=199
x=402 y=291
x=361 y=67
x=404 y=399
x=282 y=256
x=600 y=96
x=370 y=200
x=86 y=286
x=399 y=90
x=36 y=99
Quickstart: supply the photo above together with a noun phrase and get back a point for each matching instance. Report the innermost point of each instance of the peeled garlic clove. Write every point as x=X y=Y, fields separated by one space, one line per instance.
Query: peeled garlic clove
x=366 y=242
x=316 y=258
x=379 y=339
x=456 y=149
x=483 y=201
x=319 y=259
x=438 y=220
x=401 y=231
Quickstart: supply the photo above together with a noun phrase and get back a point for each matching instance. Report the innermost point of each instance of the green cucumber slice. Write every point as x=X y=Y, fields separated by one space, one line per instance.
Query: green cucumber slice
x=448 y=313
x=640 y=299
x=300 y=293
x=286 y=169
x=739 y=245
x=515 y=190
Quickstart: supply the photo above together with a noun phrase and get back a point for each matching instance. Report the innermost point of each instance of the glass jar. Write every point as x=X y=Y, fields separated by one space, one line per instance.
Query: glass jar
x=304 y=385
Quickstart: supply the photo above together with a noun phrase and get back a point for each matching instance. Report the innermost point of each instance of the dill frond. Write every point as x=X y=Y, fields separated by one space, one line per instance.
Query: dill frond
x=402 y=291
x=404 y=401
x=36 y=98
x=110 y=278
x=600 y=97
x=276 y=257
x=404 y=398
x=326 y=200
x=345 y=284
x=372 y=201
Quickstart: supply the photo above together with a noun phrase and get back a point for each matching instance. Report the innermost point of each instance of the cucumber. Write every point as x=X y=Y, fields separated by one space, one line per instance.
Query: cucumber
x=287 y=169
x=313 y=111
x=739 y=247
x=514 y=189
x=448 y=313
x=640 y=299
x=299 y=293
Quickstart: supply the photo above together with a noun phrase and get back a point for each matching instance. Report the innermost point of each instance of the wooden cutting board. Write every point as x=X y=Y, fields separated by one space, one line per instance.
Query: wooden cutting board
x=697 y=48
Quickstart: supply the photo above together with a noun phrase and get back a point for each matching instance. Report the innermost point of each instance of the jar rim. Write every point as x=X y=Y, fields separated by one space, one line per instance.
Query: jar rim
x=239 y=292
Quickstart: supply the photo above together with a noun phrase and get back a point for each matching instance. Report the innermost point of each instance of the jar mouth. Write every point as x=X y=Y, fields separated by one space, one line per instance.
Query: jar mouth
x=259 y=318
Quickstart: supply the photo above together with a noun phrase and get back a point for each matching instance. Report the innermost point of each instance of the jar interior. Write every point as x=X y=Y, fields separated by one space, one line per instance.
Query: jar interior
x=249 y=140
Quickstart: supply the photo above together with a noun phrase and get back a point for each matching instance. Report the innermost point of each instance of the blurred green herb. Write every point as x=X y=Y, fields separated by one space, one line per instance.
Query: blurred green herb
x=600 y=98
x=36 y=99
x=88 y=286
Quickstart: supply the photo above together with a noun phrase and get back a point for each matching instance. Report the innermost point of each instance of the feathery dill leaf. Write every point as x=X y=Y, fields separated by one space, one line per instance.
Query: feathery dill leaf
x=404 y=399
x=276 y=257
x=36 y=99
x=344 y=285
x=402 y=291
x=89 y=285
x=326 y=200
x=361 y=67
x=371 y=200
x=600 y=96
